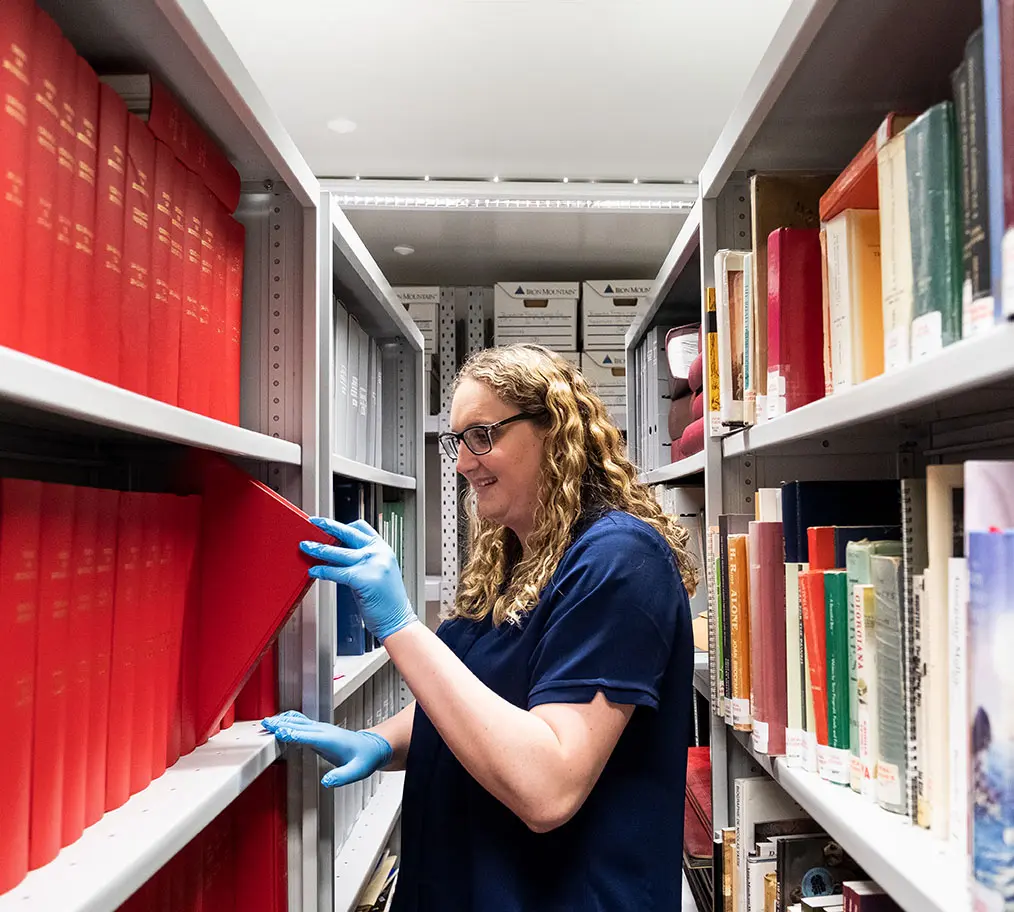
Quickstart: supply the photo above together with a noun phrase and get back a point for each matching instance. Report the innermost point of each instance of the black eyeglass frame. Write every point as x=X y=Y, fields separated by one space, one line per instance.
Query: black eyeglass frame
x=450 y=442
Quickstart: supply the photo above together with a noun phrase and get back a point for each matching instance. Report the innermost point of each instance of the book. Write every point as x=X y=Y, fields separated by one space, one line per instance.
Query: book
x=767 y=637
x=836 y=612
x=920 y=704
x=751 y=383
x=1006 y=36
x=994 y=117
x=61 y=205
x=739 y=631
x=135 y=317
x=235 y=257
x=854 y=297
x=729 y=869
x=193 y=355
x=797 y=685
x=164 y=308
x=933 y=223
x=812 y=866
x=728 y=524
x=885 y=572
x=988 y=495
x=711 y=347
x=757 y=800
x=957 y=704
x=866 y=896
x=812 y=602
x=731 y=336
x=896 y=277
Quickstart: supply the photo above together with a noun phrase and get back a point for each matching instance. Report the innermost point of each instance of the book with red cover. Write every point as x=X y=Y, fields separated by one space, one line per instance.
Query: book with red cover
x=252 y=575
x=149 y=614
x=107 y=284
x=218 y=406
x=856 y=186
x=123 y=657
x=258 y=698
x=767 y=636
x=795 y=317
x=20 y=512
x=49 y=740
x=177 y=246
x=100 y=641
x=16 y=38
x=40 y=184
x=261 y=843
x=82 y=604
x=191 y=368
x=207 y=365
x=56 y=320
x=177 y=129
x=135 y=305
x=811 y=598
x=234 y=317
x=697 y=839
x=163 y=326
x=218 y=888
x=82 y=255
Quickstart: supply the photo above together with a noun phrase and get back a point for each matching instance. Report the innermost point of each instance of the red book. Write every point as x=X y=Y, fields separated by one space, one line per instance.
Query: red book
x=49 y=741
x=20 y=511
x=149 y=615
x=82 y=604
x=107 y=284
x=57 y=322
x=40 y=186
x=176 y=272
x=163 y=326
x=189 y=655
x=135 y=305
x=252 y=530
x=767 y=636
x=123 y=658
x=796 y=323
x=191 y=336
x=856 y=186
x=820 y=543
x=811 y=598
x=219 y=866
x=181 y=133
x=205 y=367
x=236 y=248
x=258 y=698
x=261 y=843
x=82 y=256
x=101 y=640
x=16 y=38
x=218 y=392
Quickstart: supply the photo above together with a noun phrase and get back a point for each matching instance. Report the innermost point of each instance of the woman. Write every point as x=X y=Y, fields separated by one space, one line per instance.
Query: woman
x=546 y=750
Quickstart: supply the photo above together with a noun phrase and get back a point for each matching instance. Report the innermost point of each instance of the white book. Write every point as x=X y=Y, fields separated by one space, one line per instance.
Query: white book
x=758 y=800
x=896 y=277
x=351 y=422
x=756 y=867
x=923 y=727
x=371 y=414
x=865 y=614
x=731 y=352
x=357 y=795
x=378 y=425
x=795 y=668
x=749 y=342
x=341 y=377
x=957 y=612
x=365 y=383
x=839 y=298
x=989 y=495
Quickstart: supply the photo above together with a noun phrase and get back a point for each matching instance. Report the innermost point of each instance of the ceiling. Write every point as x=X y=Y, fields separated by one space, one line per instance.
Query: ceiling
x=604 y=90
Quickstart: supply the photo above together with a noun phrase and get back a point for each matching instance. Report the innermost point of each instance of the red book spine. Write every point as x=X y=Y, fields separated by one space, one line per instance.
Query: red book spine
x=123 y=658
x=811 y=597
x=101 y=641
x=820 y=543
x=234 y=317
x=176 y=271
x=794 y=253
x=107 y=284
x=218 y=403
x=149 y=613
x=190 y=648
x=49 y=742
x=57 y=322
x=82 y=605
x=767 y=627
x=191 y=369
x=40 y=215
x=206 y=344
x=135 y=305
x=16 y=27
x=230 y=716
x=163 y=599
x=161 y=335
x=82 y=254
x=20 y=511
x=178 y=130
x=219 y=886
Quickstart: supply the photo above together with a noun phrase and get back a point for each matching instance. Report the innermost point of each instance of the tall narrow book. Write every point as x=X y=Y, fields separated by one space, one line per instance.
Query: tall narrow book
x=891 y=761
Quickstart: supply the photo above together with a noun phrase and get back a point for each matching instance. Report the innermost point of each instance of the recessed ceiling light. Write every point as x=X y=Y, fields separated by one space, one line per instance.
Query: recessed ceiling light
x=496 y=178
x=566 y=180
x=426 y=177
x=636 y=181
x=341 y=125
x=404 y=250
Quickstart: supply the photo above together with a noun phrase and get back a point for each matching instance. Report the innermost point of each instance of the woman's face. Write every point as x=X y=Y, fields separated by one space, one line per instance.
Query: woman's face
x=505 y=480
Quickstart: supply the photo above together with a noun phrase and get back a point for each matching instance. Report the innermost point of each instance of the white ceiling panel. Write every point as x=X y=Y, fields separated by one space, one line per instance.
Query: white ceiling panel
x=596 y=89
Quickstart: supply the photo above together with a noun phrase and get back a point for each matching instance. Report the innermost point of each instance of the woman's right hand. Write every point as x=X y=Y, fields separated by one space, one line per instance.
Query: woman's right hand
x=354 y=754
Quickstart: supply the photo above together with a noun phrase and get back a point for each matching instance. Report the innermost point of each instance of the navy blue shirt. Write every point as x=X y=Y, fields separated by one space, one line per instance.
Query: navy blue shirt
x=614 y=618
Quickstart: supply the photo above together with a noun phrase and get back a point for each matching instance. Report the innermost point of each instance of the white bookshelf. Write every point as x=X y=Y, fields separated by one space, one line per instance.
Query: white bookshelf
x=351 y=672
x=359 y=855
x=677 y=471
x=127 y=846
x=360 y=471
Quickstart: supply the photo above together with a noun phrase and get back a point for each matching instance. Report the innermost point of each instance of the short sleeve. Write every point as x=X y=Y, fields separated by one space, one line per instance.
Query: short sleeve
x=614 y=607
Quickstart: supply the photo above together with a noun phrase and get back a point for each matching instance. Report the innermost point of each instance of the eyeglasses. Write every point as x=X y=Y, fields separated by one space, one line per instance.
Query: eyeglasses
x=479 y=437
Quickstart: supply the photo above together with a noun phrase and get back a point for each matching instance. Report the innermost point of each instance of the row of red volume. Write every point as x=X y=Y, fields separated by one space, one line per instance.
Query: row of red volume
x=97 y=680
x=119 y=261
x=236 y=864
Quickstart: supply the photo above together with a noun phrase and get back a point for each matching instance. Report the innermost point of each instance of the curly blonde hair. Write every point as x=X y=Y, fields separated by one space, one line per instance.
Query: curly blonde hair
x=584 y=468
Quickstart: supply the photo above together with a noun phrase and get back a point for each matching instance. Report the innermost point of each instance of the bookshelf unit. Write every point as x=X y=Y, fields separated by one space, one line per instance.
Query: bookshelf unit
x=822 y=87
x=295 y=240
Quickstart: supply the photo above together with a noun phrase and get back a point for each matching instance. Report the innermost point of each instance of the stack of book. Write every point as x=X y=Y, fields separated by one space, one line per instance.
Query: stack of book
x=854 y=631
x=122 y=259
x=853 y=275
x=358 y=389
x=378 y=894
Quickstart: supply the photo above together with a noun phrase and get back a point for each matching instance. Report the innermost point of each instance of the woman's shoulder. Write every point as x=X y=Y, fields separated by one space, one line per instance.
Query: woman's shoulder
x=620 y=531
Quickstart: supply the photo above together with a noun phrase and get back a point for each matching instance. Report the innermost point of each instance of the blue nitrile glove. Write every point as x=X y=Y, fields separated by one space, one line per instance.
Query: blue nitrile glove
x=366 y=565
x=355 y=754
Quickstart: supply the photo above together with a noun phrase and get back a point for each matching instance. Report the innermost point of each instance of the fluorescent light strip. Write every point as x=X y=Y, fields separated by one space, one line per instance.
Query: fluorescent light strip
x=359 y=201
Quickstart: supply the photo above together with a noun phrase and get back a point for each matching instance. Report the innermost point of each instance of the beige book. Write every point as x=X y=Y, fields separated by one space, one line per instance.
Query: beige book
x=739 y=631
x=771 y=891
x=825 y=306
x=729 y=895
x=897 y=283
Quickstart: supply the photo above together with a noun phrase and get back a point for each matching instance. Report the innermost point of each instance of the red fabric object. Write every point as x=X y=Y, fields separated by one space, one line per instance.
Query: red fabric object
x=696 y=375
x=697 y=832
x=679 y=416
x=692 y=440
x=697 y=407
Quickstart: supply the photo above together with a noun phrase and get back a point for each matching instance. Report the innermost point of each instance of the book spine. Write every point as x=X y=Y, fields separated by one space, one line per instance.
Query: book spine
x=191 y=351
x=912 y=513
x=177 y=272
x=145 y=668
x=801 y=372
x=137 y=240
x=957 y=614
x=895 y=252
x=757 y=644
x=730 y=340
x=794 y=667
x=712 y=362
x=994 y=113
x=709 y=576
x=16 y=55
x=933 y=208
x=749 y=321
x=217 y=336
x=160 y=331
x=891 y=774
x=739 y=628
x=775 y=386
x=831 y=201
x=234 y=319
x=20 y=512
x=811 y=589
x=920 y=703
x=864 y=609
x=867 y=309
x=855 y=563
x=836 y=630
x=839 y=295
x=60 y=315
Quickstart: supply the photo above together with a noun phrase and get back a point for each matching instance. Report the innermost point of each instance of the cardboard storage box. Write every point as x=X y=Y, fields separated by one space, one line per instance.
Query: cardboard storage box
x=608 y=309
x=606 y=373
x=540 y=312
x=423 y=304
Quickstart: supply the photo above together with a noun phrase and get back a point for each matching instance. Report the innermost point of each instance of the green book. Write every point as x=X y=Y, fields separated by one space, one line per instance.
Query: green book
x=857 y=568
x=935 y=227
x=836 y=613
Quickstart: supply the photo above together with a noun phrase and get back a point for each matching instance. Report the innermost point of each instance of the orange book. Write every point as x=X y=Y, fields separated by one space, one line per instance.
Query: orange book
x=739 y=628
x=811 y=597
x=820 y=542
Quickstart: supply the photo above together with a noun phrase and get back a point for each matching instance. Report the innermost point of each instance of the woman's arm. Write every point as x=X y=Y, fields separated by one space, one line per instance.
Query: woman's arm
x=397 y=731
x=542 y=763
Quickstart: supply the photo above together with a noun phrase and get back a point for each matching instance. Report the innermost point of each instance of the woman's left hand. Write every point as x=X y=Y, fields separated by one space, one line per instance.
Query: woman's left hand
x=366 y=565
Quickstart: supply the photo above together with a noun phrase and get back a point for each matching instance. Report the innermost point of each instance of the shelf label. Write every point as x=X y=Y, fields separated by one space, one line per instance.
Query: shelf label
x=759 y=738
x=833 y=764
x=810 y=752
x=888 y=783
x=794 y=746
x=741 y=712
x=896 y=353
x=927 y=335
x=855 y=773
